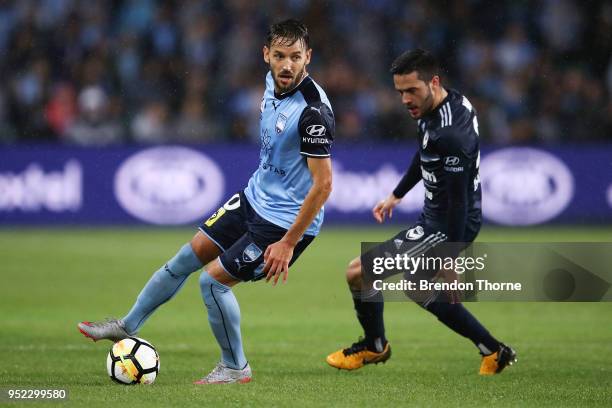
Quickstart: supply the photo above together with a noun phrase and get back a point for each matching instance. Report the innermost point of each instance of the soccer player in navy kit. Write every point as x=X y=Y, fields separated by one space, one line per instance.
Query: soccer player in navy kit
x=447 y=162
x=260 y=231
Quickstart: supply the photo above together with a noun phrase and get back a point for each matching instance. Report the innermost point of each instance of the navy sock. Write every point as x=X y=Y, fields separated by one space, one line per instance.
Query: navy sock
x=369 y=308
x=459 y=319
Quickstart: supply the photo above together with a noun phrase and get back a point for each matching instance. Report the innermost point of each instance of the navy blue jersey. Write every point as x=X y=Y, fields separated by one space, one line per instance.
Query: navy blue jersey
x=293 y=126
x=447 y=161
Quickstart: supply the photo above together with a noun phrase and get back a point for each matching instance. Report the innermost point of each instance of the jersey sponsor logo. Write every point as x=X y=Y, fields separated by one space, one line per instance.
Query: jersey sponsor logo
x=415 y=233
x=425 y=139
x=281 y=121
x=272 y=168
x=451 y=160
x=525 y=186
x=251 y=253
x=316 y=140
x=450 y=164
x=316 y=130
x=428 y=176
x=168 y=185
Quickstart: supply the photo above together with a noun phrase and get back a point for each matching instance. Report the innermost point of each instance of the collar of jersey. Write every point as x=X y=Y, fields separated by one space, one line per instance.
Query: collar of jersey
x=294 y=90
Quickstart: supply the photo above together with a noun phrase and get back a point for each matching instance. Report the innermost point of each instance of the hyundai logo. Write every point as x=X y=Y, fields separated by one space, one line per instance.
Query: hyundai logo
x=316 y=130
x=451 y=161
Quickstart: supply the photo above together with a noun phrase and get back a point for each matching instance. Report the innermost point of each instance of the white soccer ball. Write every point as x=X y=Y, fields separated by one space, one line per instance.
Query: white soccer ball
x=132 y=361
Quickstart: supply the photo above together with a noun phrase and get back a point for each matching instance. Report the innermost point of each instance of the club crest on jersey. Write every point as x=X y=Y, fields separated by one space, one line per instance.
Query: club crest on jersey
x=280 y=123
x=251 y=253
x=415 y=233
x=425 y=139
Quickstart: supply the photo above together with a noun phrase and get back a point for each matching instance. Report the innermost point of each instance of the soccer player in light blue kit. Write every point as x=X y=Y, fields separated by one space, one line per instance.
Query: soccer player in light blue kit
x=261 y=231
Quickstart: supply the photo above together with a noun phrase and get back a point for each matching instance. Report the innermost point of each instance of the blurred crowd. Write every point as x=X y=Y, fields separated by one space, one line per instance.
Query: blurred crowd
x=100 y=72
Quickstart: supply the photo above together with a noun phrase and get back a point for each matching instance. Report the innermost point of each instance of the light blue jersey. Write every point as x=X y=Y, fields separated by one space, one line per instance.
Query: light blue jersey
x=293 y=126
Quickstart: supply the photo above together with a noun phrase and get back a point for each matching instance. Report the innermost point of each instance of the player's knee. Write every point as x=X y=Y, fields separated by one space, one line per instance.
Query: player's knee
x=354 y=274
x=204 y=248
x=205 y=280
x=184 y=262
x=206 y=284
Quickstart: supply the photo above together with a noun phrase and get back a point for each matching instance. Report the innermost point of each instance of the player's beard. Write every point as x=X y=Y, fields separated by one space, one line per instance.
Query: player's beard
x=427 y=105
x=296 y=80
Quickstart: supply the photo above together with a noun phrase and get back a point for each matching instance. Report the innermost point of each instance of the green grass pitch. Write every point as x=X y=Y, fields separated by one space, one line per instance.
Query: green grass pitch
x=53 y=278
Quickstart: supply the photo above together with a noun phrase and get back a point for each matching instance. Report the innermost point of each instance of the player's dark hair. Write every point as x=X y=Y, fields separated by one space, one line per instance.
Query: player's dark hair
x=421 y=61
x=287 y=33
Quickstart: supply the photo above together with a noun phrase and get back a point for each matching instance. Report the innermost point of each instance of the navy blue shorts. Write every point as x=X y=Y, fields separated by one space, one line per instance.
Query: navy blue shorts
x=419 y=239
x=243 y=236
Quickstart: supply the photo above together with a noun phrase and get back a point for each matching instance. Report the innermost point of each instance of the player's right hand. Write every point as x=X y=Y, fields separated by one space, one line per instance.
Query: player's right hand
x=385 y=208
x=276 y=260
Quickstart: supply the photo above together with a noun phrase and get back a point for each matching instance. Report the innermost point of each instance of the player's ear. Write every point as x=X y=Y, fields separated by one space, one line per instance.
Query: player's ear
x=435 y=81
x=308 y=55
x=266 y=54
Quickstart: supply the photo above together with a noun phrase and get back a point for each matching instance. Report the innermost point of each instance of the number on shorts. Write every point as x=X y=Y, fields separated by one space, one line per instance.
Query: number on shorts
x=231 y=204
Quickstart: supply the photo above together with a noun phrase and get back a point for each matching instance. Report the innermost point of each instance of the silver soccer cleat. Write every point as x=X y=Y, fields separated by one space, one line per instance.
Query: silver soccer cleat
x=110 y=329
x=222 y=374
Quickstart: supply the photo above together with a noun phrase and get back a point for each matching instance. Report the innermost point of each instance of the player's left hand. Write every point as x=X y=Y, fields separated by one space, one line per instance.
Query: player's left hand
x=276 y=259
x=385 y=208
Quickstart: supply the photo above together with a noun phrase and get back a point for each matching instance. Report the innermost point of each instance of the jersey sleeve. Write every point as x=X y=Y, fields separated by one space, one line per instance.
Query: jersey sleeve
x=410 y=178
x=316 y=128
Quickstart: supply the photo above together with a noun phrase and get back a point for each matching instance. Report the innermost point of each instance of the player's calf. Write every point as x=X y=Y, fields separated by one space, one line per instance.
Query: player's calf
x=354 y=276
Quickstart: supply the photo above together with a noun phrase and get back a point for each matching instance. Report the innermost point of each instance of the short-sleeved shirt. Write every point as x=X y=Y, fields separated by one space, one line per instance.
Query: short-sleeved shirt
x=293 y=126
